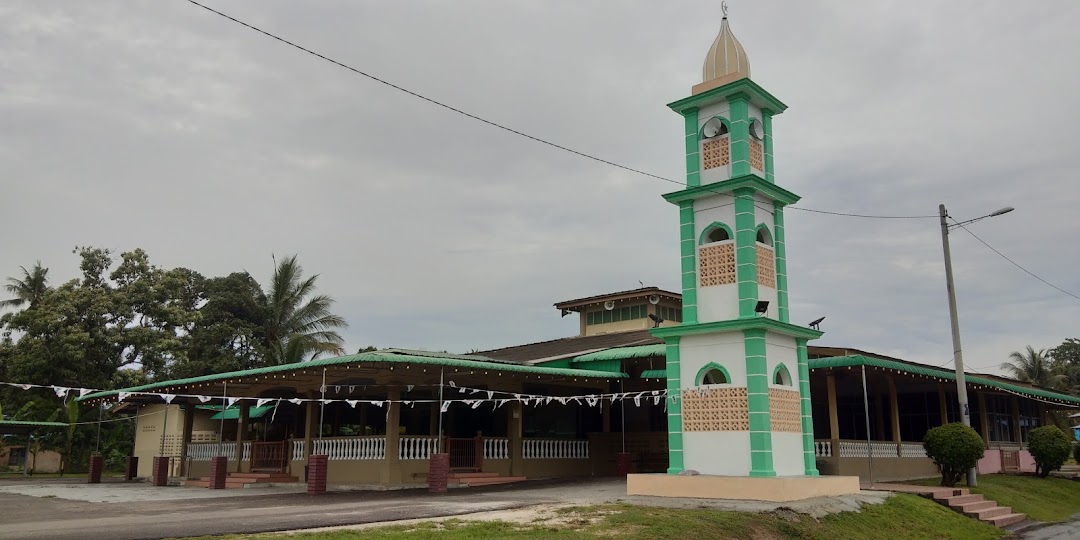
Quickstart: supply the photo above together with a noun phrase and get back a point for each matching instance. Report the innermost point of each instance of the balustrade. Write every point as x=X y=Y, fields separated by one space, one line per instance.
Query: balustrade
x=554 y=449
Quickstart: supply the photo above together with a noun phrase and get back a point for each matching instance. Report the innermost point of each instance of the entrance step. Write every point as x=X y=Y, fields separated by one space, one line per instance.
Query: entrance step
x=963 y=501
x=491 y=481
x=1006 y=520
x=459 y=476
x=241 y=480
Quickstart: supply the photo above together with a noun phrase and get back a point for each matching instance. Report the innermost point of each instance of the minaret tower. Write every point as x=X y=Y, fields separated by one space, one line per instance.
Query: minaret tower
x=738 y=364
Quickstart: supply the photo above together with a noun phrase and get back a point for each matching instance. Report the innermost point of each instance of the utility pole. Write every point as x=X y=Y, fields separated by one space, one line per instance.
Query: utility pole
x=958 y=356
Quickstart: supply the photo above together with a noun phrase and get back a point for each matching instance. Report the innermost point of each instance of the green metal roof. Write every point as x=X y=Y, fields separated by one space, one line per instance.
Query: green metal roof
x=928 y=371
x=376 y=357
x=654 y=374
x=234 y=413
x=623 y=353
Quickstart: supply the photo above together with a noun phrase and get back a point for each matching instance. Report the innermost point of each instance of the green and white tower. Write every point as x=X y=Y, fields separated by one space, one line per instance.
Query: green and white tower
x=738 y=364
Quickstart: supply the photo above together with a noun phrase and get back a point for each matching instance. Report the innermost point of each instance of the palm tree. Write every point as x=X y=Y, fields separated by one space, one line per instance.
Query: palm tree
x=1033 y=367
x=299 y=324
x=29 y=289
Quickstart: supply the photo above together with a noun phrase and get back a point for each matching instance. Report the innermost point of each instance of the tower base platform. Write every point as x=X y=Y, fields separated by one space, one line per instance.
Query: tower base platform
x=776 y=489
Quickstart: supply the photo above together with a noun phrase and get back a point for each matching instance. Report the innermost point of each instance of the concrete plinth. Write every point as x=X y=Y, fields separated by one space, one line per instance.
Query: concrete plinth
x=94 y=476
x=316 y=481
x=131 y=468
x=219 y=467
x=438 y=473
x=160 y=471
x=779 y=489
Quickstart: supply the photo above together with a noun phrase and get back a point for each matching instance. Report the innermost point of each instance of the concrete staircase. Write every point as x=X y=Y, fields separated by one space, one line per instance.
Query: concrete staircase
x=242 y=480
x=978 y=507
x=476 y=479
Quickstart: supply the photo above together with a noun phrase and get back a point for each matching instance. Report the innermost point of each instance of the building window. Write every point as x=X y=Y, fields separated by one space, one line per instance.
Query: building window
x=669 y=313
x=624 y=313
x=718 y=234
x=999 y=419
x=781 y=376
x=16 y=457
x=713 y=373
x=1029 y=417
x=763 y=235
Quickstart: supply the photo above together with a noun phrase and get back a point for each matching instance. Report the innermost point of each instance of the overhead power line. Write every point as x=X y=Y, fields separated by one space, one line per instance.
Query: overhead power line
x=1014 y=263
x=498 y=125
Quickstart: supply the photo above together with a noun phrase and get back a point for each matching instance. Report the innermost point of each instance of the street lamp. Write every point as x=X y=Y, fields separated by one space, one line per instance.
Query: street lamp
x=958 y=357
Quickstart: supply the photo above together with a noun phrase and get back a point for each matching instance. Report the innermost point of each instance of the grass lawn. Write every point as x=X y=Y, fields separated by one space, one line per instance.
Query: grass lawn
x=1042 y=499
x=902 y=517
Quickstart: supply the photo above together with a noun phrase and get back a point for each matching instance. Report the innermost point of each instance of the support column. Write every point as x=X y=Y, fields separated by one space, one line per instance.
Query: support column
x=219 y=467
x=894 y=410
x=688 y=263
x=94 y=475
x=740 y=134
x=943 y=402
x=693 y=158
x=1017 y=433
x=879 y=416
x=746 y=252
x=766 y=122
x=780 y=249
x=983 y=420
x=185 y=439
x=834 y=418
x=513 y=433
x=675 y=423
x=809 y=457
x=311 y=419
x=241 y=434
x=392 y=473
x=757 y=389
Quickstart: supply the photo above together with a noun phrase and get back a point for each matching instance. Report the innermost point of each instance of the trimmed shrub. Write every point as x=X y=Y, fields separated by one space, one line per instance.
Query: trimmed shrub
x=955 y=448
x=1050 y=447
x=1076 y=453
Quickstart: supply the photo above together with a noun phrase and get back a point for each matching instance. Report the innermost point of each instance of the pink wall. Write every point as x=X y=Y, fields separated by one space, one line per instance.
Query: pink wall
x=990 y=462
x=1027 y=463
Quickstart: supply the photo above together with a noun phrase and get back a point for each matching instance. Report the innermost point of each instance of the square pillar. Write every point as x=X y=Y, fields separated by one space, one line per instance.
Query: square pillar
x=894 y=409
x=513 y=433
x=310 y=422
x=241 y=434
x=834 y=419
x=984 y=420
x=391 y=474
x=131 y=468
x=94 y=476
x=943 y=403
x=185 y=439
x=1017 y=433
x=219 y=467
x=316 y=484
x=438 y=473
x=161 y=471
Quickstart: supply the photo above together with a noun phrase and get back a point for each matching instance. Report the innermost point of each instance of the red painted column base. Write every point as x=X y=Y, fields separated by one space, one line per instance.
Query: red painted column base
x=94 y=476
x=160 y=473
x=316 y=481
x=219 y=469
x=438 y=473
x=622 y=463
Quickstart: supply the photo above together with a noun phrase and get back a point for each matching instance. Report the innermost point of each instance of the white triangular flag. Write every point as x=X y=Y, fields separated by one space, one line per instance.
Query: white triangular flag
x=637 y=400
x=204 y=399
x=445 y=406
x=490 y=394
x=477 y=403
x=123 y=395
x=352 y=402
x=262 y=401
x=656 y=400
x=231 y=401
x=24 y=386
x=352 y=387
x=591 y=401
x=337 y=389
x=406 y=403
x=452 y=385
x=377 y=404
x=500 y=403
x=562 y=400
x=296 y=401
x=84 y=391
x=61 y=392
x=408 y=388
x=168 y=397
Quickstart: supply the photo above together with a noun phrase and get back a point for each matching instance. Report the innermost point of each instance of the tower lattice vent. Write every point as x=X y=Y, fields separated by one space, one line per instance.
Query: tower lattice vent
x=756 y=160
x=766 y=270
x=716 y=264
x=785 y=410
x=715 y=409
x=716 y=153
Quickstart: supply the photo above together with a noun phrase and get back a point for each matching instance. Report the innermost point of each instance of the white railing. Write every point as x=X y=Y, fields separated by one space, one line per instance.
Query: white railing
x=878 y=449
x=205 y=451
x=496 y=448
x=554 y=449
x=351 y=448
x=298 y=450
x=417 y=447
x=823 y=448
x=912 y=450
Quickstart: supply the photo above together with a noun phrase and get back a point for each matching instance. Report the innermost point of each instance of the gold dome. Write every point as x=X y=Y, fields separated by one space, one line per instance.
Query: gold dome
x=726 y=60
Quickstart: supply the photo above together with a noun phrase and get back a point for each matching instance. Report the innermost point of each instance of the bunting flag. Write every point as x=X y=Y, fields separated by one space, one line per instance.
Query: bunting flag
x=352 y=402
x=445 y=406
x=263 y=401
x=452 y=385
x=351 y=388
x=24 y=386
x=409 y=388
x=84 y=391
x=476 y=403
x=121 y=396
x=326 y=401
x=204 y=399
x=377 y=404
x=490 y=394
x=337 y=389
x=273 y=415
x=296 y=401
x=591 y=400
x=61 y=392
x=168 y=397
x=230 y=401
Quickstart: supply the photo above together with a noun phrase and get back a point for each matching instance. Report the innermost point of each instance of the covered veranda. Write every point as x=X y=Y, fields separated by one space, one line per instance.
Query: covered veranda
x=883 y=433
x=379 y=416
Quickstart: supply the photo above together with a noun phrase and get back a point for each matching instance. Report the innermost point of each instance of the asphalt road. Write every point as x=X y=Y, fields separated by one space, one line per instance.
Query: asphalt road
x=24 y=517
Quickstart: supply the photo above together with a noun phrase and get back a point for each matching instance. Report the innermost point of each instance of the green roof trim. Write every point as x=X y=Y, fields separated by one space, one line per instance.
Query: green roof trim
x=623 y=353
x=747 y=323
x=758 y=95
x=752 y=181
x=234 y=413
x=376 y=357
x=859 y=360
x=654 y=374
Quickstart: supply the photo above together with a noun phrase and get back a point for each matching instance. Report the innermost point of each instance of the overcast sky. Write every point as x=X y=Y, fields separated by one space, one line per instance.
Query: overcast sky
x=162 y=126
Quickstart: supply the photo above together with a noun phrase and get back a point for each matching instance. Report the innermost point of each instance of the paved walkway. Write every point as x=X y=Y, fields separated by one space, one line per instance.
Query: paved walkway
x=175 y=514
